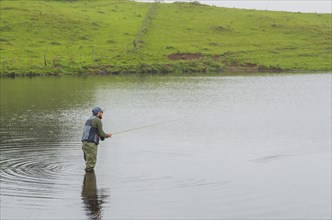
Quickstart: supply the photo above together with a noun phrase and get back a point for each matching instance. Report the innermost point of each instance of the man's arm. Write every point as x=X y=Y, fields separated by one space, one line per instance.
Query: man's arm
x=101 y=132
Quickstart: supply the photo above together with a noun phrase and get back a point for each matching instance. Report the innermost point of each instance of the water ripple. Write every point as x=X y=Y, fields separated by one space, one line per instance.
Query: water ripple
x=33 y=171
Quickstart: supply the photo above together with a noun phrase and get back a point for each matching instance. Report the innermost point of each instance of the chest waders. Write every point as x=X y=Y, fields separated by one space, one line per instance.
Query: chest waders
x=90 y=141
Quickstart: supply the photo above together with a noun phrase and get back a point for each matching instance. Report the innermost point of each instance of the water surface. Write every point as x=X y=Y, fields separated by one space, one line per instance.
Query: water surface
x=231 y=147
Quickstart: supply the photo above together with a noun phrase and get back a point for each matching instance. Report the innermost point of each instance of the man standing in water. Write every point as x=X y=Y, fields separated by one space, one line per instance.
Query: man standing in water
x=92 y=132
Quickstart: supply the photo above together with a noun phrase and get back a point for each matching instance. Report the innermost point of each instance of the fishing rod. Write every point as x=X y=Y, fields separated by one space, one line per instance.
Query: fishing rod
x=147 y=126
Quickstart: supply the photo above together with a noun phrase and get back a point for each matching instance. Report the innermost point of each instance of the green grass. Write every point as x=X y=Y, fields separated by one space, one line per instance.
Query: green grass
x=97 y=36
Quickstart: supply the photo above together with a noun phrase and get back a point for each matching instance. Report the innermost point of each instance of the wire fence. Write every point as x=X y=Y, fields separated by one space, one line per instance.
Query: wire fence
x=62 y=57
x=138 y=42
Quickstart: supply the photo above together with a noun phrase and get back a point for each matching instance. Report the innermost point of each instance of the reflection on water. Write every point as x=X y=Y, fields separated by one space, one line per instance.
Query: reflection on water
x=92 y=200
x=244 y=147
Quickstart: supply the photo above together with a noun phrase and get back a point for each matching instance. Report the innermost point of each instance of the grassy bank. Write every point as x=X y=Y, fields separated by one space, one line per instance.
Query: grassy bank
x=102 y=37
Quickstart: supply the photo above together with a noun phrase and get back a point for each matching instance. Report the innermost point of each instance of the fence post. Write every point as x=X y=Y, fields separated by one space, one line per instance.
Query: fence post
x=80 y=56
x=93 y=54
x=45 y=61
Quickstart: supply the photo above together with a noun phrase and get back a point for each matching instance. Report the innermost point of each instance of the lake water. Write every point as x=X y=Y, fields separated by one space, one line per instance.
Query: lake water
x=223 y=147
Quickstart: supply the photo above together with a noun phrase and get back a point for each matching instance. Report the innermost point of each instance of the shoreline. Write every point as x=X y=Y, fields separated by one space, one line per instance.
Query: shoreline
x=157 y=69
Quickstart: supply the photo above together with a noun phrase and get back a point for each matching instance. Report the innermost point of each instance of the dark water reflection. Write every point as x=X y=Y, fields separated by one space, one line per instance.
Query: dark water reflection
x=242 y=147
x=93 y=198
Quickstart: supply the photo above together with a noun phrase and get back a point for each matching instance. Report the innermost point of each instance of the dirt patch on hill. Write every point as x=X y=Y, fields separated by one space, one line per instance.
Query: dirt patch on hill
x=242 y=68
x=232 y=67
x=194 y=56
x=185 y=56
x=251 y=68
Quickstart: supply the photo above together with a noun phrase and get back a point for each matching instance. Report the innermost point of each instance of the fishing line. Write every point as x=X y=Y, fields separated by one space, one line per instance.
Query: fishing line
x=146 y=126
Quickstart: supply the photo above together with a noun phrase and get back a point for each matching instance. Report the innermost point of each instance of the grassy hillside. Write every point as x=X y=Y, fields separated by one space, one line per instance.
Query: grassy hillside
x=124 y=36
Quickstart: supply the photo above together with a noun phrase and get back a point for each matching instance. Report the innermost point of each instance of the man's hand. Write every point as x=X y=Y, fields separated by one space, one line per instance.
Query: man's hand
x=109 y=135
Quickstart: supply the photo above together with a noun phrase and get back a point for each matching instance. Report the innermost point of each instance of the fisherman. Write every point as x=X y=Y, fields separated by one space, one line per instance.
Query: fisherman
x=92 y=132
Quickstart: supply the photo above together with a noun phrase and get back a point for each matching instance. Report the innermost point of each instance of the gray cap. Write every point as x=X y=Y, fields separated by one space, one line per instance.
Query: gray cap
x=95 y=110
